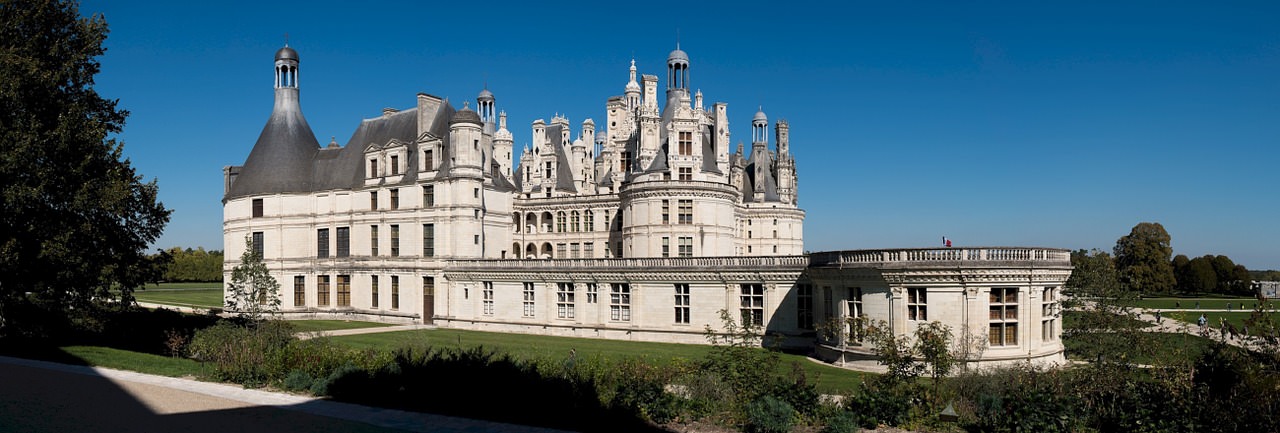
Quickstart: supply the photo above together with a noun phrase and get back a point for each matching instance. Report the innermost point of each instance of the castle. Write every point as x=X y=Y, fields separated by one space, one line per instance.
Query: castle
x=645 y=229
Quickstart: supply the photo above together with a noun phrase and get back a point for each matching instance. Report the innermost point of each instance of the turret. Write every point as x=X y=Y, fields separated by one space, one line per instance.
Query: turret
x=281 y=159
x=633 y=89
x=465 y=130
x=502 y=145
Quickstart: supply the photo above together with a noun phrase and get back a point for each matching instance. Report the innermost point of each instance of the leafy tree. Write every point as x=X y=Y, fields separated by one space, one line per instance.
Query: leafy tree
x=1143 y=259
x=1100 y=310
x=933 y=346
x=252 y=293
x=194 y=265
x=1199 y=275
x=76 y=217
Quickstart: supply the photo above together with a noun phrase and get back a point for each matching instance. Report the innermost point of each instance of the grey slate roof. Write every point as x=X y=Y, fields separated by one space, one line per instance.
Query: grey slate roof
x=281 y=159
x=759 y=173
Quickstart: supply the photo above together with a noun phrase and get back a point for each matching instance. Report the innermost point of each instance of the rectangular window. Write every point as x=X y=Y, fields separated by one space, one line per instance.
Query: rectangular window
x=344 y=290
x=752 y=304
x=666 y=246
x=589 y=250
x=574 y=251
x=428 y=195
x=686 y=143
x=686 y=211
x=429 y=163
x=620 y=302
x=395 y=165
x=804 y=306
x=373 y=291
x=855 y=302
x=322 y=243
x=486 y=296
x=564 y=300
x=322 y=291
x=593 y=293
x=588 y=221
x=828 y=307
x=257 y=208
x=917 y=303
x=299 y=291
x=428 y=286
x=686 y=246
x=560 y=223
x=1003 y=316
x=529 y=306
x=562 y=250
x=575 y=221
x=686 y=174
x=395 y=241
x=395 y=198
x=428 y=240
x=626 y=161
x=258 y=244
x=373 y=200
x=373 y=240
x=666 y=211
x=395 y=292
x=373 y=167
x=1048 y=314
x=344 y=241
x=682 y=303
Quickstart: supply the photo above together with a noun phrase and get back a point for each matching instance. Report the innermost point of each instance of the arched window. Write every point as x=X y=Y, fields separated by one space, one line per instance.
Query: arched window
x=574 y=221
x=560 y=228
x=588 y=221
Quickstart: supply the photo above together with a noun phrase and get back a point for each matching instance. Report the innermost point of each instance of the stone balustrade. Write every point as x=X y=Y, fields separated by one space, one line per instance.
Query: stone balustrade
x=926 y=257
x=766 y=262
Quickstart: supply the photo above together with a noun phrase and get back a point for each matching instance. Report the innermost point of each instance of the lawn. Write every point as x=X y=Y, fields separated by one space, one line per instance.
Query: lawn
x=827 y=378
x=196 y=298
x=1165 y=347
x=331 y=325
x=1203 y=303
x=195 y=285
x=1213 y=318
x=134 y=361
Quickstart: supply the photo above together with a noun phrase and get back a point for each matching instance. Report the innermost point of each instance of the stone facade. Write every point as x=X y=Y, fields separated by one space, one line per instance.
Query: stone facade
x=645 y=229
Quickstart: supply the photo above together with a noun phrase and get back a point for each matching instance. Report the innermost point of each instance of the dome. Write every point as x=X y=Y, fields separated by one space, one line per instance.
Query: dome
x=287 y=53
x=485 y=95
x=678 y=55
x=466 y=115
x=633 y=87
x=760 y=117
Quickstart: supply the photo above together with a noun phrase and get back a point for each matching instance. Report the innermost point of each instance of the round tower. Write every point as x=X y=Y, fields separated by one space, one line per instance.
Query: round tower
x=759 y=128
x=678 y=70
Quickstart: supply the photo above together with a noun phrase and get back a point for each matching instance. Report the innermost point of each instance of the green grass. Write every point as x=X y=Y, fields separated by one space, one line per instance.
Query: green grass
x=1236 y=319
x=1190 y=303
x=1162 y=348
x=331 y=325
x=134 y=361
x=828 y=379
x=179 y=286
x=197 y=298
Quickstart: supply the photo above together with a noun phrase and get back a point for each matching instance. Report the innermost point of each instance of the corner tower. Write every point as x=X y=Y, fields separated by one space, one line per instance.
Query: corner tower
x=282 y=158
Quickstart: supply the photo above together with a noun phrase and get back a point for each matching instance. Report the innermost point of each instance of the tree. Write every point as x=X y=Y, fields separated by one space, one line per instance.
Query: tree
x=252 y=292
x=76 y=218
x=1200 y=276
x=1103 y=318
x=1143 y=259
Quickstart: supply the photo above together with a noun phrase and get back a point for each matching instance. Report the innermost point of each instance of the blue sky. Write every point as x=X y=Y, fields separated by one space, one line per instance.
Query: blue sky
x=990 y=123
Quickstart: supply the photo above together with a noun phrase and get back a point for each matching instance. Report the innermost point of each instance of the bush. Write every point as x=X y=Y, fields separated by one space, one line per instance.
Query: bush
x=841 y=422
x=247 y=354
x=770 y=415
x=297 y=380
x=879 y=403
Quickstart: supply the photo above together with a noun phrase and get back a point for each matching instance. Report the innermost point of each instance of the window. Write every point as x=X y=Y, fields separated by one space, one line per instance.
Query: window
x=486 y=295
x=322 y=291
x=666 y=211
x=395 y=241
x=686 y=246
x=1048 y=314
x=395 y=292
x=682 y=303
x=686 y=211
x=608 y=223
x=574 y=221
x=854 y=303
x=529 y=306
x=428 y=162
x=666 y=246
x=686 y=143
x=593 y=293
x=373 y=167
x=428 y=240
x=373 y=240
x=428 y=287
x=562 y=250
x=322 y=243
x=589 y=250
x=344 y=241
x=752 y=305
x=475 y=239
x=344 y=290
x=686 y=174
x=574 y=250
x=257 y=244
x=626 y=161
x=428 y=195
x=373 y=291
x=395 y=165
x=620 y=302
x=475 y=192
x=828 y=307
x=917 y=303
x=804 y=306
x=395 y=198
x=588 y=221
x=257 y=208
x=560 y=226
x=564 y=300
x=1003 y=316
x=373 y=200
x=299 y=291
x=546 y=172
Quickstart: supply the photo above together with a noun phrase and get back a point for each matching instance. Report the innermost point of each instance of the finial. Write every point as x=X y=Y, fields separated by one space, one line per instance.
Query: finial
x=465 y=104
x=286 y=39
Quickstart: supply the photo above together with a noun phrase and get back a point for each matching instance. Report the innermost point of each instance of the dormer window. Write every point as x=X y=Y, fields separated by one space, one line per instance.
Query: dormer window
x=427 y=160
x=395 y=165
x=373 y=167
x=686 y=143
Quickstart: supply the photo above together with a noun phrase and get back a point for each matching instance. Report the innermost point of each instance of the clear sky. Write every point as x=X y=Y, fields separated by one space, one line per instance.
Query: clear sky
x=1010 y=124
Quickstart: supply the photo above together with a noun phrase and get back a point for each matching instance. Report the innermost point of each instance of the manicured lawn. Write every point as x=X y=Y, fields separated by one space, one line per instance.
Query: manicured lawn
x=331 y=325
x=1213 y=318
x=198 y=298
x=1166 y=347
x=198 y=285
x=134 y=361
x=1204 y=303
x=828 y=379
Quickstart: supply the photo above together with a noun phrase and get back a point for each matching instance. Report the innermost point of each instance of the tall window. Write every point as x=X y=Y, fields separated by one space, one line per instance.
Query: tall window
x=626 y=161
x=828 y=307
x=258 y=245
x=1048 y=314
x=257 y=208
x=575 y=221
x=373 y=167
x=589 y=250
x=344 y=290
x=560 y=226
x=428 y=240
x=322 y=243
x=428 y=287
x=752 y=304
x=428 y=162
x=564 y=300
x=682 y=303
x=395 y=241
x=373 y=240
x=686 y=143
x=1004 y=317
x=395 y=198
x=373 y=291
x=573 y=250
x=666 y=211
x=344 y=241
x=666 y=246
x=299 y=291
x=322 y=290
x=686 y=211
x=562 y=250
x=686 y=246
x=593 y=293
x=529 y=306
x=620 y=302
x=395 y=165
x=395 y=292
x=917 y=303
x=373 y=200
x=588 y=221
x=486 y=295
x=804 y=306
x=428 y=195
x=686 y=174
x=854 y=302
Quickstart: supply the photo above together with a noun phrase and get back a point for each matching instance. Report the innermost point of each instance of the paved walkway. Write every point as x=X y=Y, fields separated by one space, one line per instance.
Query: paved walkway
x=359 y=331
x=38 y=396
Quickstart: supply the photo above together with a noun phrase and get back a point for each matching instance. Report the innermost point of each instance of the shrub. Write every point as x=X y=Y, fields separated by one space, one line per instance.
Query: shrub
x=246 y=354
x=770 y=415
x=841 y=421
x=297 y=380
x=881 y=403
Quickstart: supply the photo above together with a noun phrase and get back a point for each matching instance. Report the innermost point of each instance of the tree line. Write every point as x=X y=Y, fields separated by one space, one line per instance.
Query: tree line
x=1144 y=262
x=188 y=265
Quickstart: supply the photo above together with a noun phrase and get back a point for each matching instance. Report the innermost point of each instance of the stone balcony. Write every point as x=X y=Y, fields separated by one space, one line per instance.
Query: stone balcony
x=964 y=257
